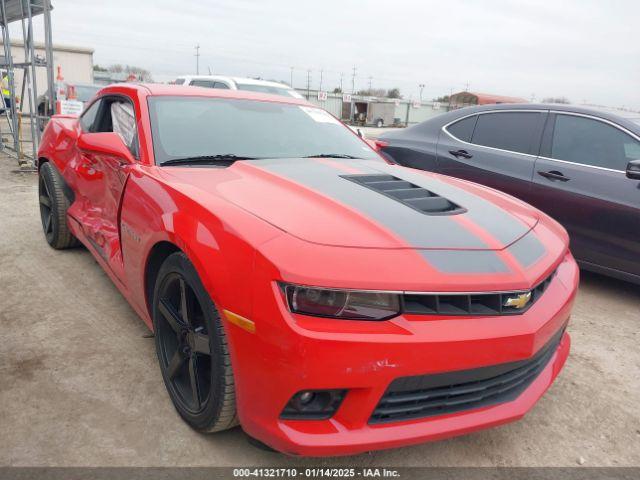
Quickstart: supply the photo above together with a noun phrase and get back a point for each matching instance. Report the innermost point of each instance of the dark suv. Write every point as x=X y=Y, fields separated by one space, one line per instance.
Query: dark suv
x=579 y=165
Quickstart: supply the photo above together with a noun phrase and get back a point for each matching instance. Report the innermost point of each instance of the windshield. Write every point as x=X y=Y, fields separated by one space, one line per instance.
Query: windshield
x=196 y=126
x=287 y=92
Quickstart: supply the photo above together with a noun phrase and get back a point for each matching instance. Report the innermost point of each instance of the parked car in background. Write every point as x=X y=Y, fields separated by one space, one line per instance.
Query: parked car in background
x=237 y=83
x=83 y=92
x=296 y=283
x=579 y=165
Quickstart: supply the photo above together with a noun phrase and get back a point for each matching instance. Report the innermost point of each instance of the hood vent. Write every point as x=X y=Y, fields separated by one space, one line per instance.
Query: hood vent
x=407 y=193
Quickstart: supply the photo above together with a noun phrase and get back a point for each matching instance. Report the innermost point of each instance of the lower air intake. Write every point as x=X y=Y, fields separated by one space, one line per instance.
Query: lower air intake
x=424 y=396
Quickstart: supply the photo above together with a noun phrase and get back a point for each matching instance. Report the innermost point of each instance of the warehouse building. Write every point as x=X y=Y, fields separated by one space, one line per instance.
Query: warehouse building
x=366 y=110
x=76 y=65
x=466 y=99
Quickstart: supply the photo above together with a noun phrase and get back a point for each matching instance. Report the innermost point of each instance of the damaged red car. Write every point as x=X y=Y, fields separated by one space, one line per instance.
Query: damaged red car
x=298 y=284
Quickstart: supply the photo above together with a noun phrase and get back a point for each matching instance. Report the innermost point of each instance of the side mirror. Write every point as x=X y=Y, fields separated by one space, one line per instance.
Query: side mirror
x=633 y=169
x=106 y=143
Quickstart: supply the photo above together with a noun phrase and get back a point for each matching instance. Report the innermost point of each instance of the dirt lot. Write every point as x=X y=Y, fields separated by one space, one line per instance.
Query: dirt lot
x=79 y=383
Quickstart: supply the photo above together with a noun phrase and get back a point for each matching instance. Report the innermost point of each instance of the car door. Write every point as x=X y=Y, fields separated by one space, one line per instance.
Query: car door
x=494 y=148
x=581 y=181
x=89 y=177
x=108 y=178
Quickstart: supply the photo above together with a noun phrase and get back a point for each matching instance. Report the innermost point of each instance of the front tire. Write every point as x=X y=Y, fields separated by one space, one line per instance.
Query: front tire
x=192 y=348
x=53 y=208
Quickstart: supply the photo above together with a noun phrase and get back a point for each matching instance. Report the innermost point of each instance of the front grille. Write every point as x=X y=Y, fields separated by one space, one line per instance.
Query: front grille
x=407 y=193
x=492 y=303
x=431 y=395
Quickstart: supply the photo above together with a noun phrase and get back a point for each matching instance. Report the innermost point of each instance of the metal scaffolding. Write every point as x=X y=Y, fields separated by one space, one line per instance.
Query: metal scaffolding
x=24 y=11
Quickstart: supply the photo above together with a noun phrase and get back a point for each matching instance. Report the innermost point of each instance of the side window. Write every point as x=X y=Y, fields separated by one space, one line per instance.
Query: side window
x=592 y=142
x=463 y=129
x=202 y=83
x=513 y=131
x=221 y=85
x=118 y=115
x=179 y=81
x=88 y=117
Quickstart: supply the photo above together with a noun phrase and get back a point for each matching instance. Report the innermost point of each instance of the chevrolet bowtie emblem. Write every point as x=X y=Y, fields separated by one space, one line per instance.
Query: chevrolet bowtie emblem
x=518 y=301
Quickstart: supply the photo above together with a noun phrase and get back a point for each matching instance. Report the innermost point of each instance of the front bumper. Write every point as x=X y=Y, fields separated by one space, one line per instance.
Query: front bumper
x=289 y=353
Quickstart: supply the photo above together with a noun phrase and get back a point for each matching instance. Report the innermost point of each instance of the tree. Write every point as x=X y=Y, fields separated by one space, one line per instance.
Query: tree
x=394 y=93
x=337 y=90
x=98 y=68
x=374 y=92
x=140 y=73
x=442 y=99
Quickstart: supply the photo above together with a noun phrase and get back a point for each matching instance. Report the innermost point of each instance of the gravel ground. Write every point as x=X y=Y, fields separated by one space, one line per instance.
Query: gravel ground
x=79 y=383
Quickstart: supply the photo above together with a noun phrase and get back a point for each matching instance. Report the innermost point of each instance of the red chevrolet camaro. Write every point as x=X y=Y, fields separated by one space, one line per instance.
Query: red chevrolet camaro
x=298 y=284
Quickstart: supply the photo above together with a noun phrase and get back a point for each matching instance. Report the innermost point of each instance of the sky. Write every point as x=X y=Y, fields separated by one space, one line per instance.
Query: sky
x=585 y=50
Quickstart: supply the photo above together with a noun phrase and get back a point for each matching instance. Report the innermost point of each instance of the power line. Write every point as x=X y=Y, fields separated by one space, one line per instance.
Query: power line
x=370 y=79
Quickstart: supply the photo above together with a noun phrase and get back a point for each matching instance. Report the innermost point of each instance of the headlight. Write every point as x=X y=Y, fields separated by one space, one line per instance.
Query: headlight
x=345 y=304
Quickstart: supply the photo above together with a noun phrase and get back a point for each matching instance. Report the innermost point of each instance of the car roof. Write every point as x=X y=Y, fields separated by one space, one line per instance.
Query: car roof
x=156 y=89
x=254 y=81
x=623 y=117
x=243 y=80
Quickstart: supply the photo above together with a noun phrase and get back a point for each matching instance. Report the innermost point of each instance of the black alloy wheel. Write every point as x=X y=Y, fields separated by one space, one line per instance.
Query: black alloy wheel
x=53 y=208
x=46 y=213
x=192 y=349
x=184 y=342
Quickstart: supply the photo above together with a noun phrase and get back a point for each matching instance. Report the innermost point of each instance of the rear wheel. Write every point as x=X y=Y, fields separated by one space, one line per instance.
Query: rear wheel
x=53 y=208
x=379 y=123
x=192 y=348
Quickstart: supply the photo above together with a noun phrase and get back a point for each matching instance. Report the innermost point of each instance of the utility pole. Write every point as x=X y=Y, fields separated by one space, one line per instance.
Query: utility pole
x=370 y=78
x=291 y=81
x=320 y=88
x=341 y=77
x=197 y=55
x=353 y=81
x=308 y=83
x=466 y=86
x=421 y=87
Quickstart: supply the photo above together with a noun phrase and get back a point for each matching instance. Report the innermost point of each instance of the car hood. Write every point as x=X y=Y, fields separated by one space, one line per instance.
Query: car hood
x=339 y=203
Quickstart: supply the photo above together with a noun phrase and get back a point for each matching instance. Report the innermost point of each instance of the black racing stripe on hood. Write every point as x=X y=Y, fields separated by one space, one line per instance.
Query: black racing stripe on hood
x=528 y=250
x=503 y=226
x=418 y=230
x=465 y=261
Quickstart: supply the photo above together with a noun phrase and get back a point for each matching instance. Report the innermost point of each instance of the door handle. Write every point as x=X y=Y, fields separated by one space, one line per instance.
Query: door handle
x=460 y=153
x=553 y=175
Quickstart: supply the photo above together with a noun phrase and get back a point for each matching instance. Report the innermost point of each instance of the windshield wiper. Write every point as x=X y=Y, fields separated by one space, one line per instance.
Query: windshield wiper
x=331 y=155
x=225 y=159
